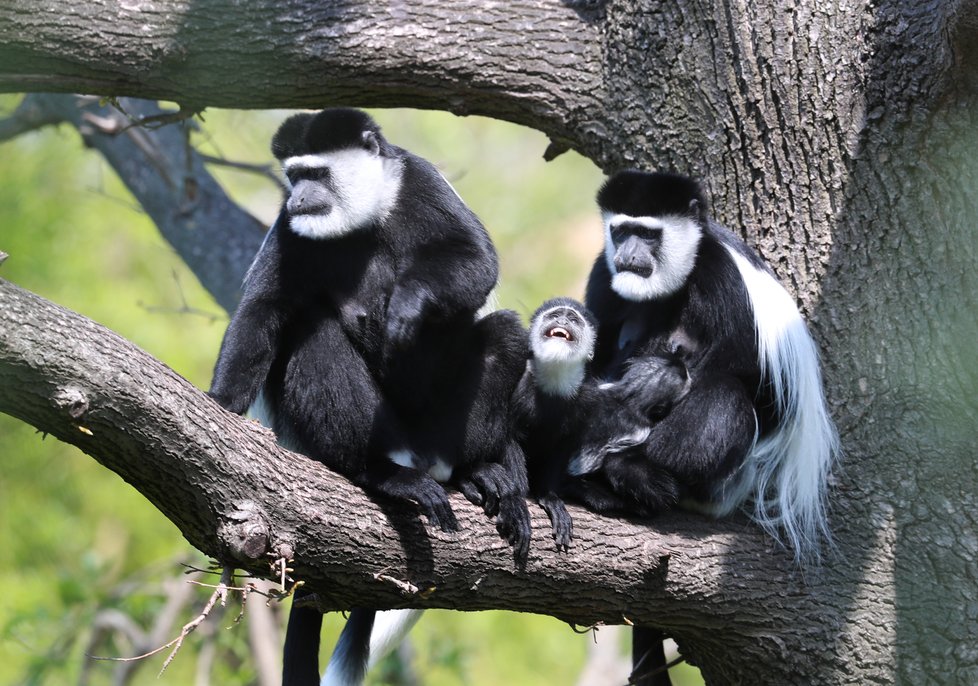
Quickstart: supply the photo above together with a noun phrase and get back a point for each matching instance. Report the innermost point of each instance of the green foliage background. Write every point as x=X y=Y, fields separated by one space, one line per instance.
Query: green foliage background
x=77 y=540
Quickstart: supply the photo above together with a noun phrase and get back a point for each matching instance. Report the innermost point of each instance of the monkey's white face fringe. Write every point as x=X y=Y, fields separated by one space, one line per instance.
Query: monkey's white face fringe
x=366 y=187
x=785 y=473
x=674 y=259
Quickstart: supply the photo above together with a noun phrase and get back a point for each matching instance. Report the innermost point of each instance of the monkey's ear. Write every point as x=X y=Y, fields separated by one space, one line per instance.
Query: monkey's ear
x=290 y=139
x=694 y=206
x=370 y=142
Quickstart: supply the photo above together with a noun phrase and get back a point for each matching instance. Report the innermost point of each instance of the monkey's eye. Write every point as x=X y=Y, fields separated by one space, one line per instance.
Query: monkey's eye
x=647 y=234
x=297 y=174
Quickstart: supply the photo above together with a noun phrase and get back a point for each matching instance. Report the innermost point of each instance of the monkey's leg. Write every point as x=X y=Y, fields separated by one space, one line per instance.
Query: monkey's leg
x=494 y=474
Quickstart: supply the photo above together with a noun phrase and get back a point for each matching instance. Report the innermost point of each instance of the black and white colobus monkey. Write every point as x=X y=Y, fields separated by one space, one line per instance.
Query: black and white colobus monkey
x=754 y=427
x=568 y=423
x=357 y=339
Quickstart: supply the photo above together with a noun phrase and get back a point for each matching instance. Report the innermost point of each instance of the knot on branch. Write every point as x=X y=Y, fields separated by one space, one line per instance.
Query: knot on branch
x=72 y=400
x=245 y=533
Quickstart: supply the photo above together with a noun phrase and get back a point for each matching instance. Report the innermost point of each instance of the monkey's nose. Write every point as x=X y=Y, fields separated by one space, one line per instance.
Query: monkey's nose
x=308 y=199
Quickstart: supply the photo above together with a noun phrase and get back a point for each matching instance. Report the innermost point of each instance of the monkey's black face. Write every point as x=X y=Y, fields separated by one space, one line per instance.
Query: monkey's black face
x=335 y=193
x=653 y=225
x=636 y=247
x=312 y=191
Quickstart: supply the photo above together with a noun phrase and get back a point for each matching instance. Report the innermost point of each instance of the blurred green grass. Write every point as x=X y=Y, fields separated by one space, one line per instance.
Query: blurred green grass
x=77 y=539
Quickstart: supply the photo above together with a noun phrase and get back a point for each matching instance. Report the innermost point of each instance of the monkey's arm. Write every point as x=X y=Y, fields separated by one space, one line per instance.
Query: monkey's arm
x=248 y=348
x=494 y=475
x=546 y=471
x=450 y=275
x=691 y=451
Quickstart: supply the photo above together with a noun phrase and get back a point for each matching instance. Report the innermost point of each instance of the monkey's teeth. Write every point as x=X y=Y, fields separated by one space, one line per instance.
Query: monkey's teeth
x=559 y=332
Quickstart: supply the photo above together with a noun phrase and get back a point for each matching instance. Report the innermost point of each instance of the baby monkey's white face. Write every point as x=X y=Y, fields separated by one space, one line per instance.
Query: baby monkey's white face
x=333 y=194
x=562 y=342
x=561 y=335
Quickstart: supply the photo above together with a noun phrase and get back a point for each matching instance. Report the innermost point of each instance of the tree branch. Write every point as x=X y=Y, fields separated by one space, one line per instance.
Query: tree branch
x=239 y=497
x=223 y=53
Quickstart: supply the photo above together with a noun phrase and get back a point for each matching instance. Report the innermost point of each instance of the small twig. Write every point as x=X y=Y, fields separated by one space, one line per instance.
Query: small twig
x=636 y=678
x=244 y=590
x=583 y=630
x=281 y=565
x=184 y=307
x=265 y=170
x=220 y=593
x=156 y=121
x=405 y=587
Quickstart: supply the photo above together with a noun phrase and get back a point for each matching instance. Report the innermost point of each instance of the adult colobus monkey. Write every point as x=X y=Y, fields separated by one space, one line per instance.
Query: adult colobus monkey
x=570 y=424
x=754 y=427
x=358 y=339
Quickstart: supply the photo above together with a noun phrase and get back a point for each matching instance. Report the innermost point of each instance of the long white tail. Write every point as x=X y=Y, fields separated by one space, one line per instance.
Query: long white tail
x=367 y=637
x=786 y=473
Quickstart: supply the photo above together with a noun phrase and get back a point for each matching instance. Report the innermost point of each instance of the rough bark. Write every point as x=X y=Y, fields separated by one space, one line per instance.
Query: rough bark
x=838 y=139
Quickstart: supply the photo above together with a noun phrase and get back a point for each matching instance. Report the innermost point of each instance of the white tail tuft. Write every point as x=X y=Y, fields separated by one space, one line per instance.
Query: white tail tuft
x=389 y=629
x=786 y=472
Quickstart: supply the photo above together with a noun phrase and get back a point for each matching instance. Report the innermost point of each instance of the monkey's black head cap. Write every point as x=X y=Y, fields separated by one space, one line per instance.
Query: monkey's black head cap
x=325 y=131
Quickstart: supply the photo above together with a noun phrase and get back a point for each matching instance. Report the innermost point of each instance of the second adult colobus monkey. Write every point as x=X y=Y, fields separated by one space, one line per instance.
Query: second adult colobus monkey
x=357 y=336
x=570 y=425
x=754 y=428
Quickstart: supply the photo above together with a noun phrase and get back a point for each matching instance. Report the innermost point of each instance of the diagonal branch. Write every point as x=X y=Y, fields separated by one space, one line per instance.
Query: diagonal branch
x=214 y=236
x=239 y=497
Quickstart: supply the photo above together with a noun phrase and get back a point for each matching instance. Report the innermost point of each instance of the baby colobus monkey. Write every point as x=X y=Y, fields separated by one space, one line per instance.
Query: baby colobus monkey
x=754 y=428
x=570 y=424
x=358 y=341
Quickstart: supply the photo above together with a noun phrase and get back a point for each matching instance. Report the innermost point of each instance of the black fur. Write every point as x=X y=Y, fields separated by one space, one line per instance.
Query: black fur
x=367 y=343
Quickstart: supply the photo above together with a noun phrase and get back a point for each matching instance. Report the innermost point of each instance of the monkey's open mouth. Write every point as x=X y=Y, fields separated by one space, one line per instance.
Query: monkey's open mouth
x=559 y=332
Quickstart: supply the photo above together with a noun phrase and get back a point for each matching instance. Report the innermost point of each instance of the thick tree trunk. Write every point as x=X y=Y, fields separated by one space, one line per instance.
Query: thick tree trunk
x=839 y=141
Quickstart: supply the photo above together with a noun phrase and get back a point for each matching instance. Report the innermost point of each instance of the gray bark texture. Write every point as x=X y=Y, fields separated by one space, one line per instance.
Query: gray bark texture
x=838 y=138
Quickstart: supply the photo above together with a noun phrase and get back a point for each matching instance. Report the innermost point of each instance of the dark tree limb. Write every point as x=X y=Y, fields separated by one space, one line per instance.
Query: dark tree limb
x=213 y=234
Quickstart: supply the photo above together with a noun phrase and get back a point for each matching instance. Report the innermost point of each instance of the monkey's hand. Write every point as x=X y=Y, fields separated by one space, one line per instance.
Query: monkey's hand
x=560 y=520
x=407 y=483
x=405 y=312
x=491 y=487
x=434 y=503
x=513 y=524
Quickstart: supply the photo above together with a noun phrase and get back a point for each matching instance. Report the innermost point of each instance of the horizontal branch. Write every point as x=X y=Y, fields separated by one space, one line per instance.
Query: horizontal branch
x=525 y=61
x=239 y=497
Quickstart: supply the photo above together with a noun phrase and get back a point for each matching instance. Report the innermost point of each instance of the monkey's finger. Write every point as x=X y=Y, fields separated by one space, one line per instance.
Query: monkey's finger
x=471 y=492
